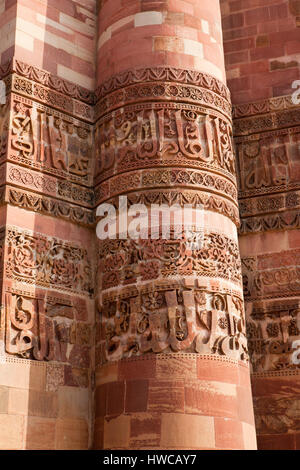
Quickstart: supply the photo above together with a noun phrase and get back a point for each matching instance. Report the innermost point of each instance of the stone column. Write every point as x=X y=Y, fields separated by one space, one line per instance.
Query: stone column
x=171 y=354
x=46 y=224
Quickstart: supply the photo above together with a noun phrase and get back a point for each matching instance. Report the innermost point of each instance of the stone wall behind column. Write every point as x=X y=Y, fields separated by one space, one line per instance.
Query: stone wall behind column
x=261 y=42
x=46 y=167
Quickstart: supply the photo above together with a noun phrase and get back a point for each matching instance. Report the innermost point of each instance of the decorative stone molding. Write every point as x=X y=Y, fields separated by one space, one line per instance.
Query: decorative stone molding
x=47 y=79
x=164 y=178
x=271 y=275
x=267 y=136
x=48 y=206
x=163 y=74
x=278 y=103
x=271 y=330
x=281 y=203
x=164 y=134
x=124 y=262
x=50 y=141
x=48 y=185
x=276 y=373
x=52 y=98
x=284 y=221
x=208 y=201
x=34 y=258
x=196 y=96
x=175 y=320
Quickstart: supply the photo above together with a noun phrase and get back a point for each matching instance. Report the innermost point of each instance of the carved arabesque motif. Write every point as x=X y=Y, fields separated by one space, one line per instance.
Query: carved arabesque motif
x=49 y=206
x=123 y=262
x=46 y=261
x=162 y=74
x=163 y=91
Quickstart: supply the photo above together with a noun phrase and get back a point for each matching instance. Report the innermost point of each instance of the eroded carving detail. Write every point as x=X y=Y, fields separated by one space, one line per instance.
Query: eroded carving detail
x=49 y=206
x=46 y=261
x=45 y=329
x=271 y=275
x=267 y=164
x=163 y=74
x=271 y=333
x=175 y=320
x=163 y=135
x=50 y=142
x=128 y=261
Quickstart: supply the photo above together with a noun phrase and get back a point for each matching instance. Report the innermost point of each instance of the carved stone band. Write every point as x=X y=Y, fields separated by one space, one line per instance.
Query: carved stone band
x=208 y=201
x=163 y=74
x=176 y=92
x=160 y=134
x=124 y=262
x=164 y=178
x=28 y=258
x=173 y=319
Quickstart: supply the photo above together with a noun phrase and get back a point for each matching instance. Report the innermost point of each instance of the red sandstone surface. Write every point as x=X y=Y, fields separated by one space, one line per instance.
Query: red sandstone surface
x=149 y=344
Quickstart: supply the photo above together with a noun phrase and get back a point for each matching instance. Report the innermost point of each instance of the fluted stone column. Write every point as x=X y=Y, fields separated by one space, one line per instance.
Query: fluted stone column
x=267 y=117
x=46 y=224
x=171 y=354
